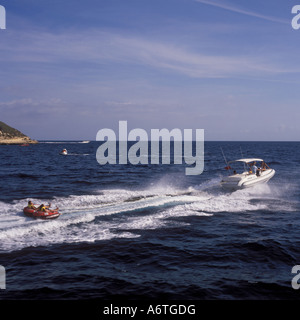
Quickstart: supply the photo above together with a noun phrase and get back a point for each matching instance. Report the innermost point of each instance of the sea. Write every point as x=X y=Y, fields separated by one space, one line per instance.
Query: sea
x=148 y=231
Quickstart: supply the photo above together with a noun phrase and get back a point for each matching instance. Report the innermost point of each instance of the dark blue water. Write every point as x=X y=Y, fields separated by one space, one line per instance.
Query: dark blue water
x=148 y=231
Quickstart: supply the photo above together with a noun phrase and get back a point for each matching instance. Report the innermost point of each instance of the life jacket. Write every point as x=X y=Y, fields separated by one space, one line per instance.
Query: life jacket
x=31 y=206
x=42 y=209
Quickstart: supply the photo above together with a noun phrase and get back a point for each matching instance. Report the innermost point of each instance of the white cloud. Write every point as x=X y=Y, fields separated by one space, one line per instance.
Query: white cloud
x=243 y=11
x=30 y=105
x=102 y=48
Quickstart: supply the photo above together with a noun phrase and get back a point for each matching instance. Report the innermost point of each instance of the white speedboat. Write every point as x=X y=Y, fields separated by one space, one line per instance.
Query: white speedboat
x=64 y=152
x=255 y=171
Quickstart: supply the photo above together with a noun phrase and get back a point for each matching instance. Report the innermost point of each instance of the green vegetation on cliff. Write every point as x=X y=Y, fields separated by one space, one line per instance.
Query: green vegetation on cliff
x=6 y=130
x=9 y=135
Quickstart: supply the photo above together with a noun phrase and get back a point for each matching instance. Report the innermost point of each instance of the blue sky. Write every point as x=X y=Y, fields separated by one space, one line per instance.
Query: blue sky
x=70 y=68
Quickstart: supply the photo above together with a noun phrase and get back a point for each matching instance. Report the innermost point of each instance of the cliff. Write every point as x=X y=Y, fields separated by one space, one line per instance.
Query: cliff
x=9 y=135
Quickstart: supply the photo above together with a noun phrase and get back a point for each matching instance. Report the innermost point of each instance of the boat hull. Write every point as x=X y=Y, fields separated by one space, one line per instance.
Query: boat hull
x=49 y=214
x=245 y=180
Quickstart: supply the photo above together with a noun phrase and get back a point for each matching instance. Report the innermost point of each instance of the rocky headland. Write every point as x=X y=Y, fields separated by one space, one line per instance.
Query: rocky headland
x=9 y=135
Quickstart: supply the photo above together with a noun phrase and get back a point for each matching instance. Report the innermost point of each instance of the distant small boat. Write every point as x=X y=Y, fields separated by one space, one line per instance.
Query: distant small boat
x=85 y=141
x=24 y=145
x=64 y=152
x=251 y=176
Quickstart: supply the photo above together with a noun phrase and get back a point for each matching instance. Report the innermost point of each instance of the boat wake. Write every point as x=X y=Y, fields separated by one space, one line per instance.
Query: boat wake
x=120 y=213
x=77 y=154
x=65 y=142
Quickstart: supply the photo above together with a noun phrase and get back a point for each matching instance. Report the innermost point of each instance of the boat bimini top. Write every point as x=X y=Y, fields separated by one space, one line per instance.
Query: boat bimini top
x=248 y=160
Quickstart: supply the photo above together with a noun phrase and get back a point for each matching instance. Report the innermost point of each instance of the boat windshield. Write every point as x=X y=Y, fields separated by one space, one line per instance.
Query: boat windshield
x=240 y=166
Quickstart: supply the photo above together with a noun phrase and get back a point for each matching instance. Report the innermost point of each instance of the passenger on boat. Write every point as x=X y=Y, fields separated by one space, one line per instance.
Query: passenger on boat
x=43 y=208
x=31 y=205
x=264 y=166
x=254 y=168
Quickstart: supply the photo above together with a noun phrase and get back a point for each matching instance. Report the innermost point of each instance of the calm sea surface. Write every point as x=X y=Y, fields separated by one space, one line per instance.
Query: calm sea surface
x=148 y=231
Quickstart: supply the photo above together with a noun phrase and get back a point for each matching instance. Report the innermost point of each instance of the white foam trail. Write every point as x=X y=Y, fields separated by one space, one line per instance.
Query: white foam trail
x=77 y=154
x=77 y=222
x=82 y=221
x=64 y=142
